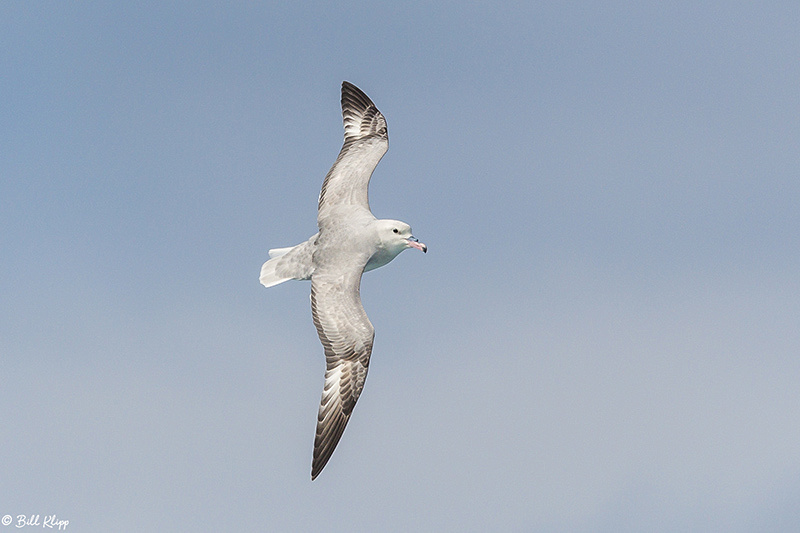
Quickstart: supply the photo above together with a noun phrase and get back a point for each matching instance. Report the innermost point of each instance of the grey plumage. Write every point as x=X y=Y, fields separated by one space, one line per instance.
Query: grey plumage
x=350 y=241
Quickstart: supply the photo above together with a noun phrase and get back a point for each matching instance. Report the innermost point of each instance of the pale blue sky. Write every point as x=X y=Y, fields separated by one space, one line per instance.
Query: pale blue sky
x=602 y=337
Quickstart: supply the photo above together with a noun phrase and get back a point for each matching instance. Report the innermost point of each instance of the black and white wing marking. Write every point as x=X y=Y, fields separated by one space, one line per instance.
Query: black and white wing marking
x=347 y=335
x=365 y=142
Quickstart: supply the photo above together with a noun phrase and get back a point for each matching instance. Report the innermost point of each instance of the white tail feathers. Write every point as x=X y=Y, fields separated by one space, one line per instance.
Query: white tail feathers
x=277 y=252
x=294 y=262
x=269 y=277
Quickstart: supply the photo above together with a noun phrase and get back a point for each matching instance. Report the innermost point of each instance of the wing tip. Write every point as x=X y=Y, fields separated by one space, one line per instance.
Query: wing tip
x=360 y=115
x=326 y=443
x=317 y=466
x=318 y=463
x=353 y=92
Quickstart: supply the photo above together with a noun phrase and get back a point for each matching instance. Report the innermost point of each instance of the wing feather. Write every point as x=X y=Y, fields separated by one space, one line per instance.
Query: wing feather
x=365 y=141
x=347 y=335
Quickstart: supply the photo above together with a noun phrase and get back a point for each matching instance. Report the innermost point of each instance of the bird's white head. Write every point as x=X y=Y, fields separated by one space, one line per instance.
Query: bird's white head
x=396 y=236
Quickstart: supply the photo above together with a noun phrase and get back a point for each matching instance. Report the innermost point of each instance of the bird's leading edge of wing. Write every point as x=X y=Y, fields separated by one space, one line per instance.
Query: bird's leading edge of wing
x=347 y=335
x=365 y=141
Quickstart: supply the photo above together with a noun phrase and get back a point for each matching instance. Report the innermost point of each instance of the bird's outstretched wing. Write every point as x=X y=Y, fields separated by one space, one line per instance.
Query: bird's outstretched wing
x=346 y=334
x=365 y=142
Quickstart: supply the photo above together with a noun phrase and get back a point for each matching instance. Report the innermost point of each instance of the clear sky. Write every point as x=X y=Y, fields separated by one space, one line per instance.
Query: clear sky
x=602 y=337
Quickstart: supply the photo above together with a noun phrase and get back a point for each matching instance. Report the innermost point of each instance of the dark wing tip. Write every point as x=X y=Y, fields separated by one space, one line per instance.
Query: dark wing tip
x=327 y=438
x=344 y=381
x=361 y=117
x=354 y=97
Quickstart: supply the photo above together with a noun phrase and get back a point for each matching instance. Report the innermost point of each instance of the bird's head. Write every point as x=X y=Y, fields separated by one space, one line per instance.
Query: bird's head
x=396 y=236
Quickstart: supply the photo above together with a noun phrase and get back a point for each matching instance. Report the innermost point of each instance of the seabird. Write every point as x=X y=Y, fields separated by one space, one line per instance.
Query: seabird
x=350 y=241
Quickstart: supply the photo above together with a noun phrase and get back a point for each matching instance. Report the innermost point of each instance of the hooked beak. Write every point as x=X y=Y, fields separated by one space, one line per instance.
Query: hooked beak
x=413 y=242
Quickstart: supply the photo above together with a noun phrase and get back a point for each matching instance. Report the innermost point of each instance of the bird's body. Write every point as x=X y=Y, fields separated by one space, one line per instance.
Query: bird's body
x=350 y=242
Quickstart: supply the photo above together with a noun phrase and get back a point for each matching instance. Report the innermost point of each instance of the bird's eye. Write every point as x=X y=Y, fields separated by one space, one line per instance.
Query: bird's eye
x=395 y=230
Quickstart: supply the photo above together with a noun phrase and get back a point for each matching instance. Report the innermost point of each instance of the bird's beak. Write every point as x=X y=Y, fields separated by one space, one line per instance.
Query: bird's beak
x=413 y=242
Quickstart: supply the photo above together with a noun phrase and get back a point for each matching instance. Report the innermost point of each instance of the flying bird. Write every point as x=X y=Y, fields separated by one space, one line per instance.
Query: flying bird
x=350 y=241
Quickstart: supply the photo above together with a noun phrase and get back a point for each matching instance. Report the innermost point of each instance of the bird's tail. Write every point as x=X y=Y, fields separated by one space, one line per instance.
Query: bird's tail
x=269 y=275
x=293 y=262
